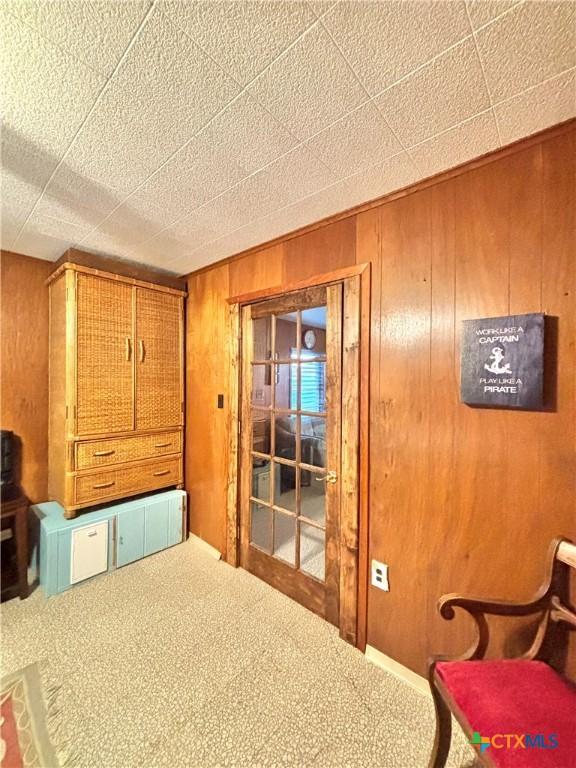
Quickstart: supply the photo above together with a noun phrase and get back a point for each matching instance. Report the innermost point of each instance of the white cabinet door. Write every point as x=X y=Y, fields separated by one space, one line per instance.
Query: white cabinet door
x=89 y=554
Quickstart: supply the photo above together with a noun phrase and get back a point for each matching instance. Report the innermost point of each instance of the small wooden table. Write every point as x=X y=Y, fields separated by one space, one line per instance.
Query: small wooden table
x=15 y=511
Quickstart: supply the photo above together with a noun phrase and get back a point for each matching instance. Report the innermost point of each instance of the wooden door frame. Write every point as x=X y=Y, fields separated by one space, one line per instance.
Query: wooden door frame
x=355 y=436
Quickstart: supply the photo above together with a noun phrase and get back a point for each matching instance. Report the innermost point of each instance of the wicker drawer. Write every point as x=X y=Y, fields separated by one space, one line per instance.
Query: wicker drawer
x=112 y=483
x=100 y=453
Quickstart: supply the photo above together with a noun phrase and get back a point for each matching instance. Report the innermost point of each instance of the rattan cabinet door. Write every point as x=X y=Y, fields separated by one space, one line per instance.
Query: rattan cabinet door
x=158 y=359
x=105 y=376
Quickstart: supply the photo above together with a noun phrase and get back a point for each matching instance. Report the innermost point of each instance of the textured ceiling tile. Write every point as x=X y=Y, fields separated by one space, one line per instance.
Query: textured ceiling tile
x=546 y=104
x=310 y=86
x=242 y=35
x=384 y=41
x=359 y=139
x=189 y=233
x=20 y=158
x=161 y=250
x=16 y=207
x=9 y=228
x=470 y=139
x=180 y=266
x=282 y=222
x=306 y=211
x=483 y=11
x=438 y=96
x=42 y=246
x=73 y=213
x=165 y=91
x=242 y=180
x=23 y=175
x=210 y=252
x=535 y=41
x=104 y=242
x=127 y=225
x=313 y=208
x=248 y=134
x=43 y=225
x=46 y=93
x=195 y=175
x=254 y=197
x=300 y=173
x=289 y=178
x=74 y=193
x=148 y=207
x=395 y=173
x=320 y=7
x=96 y=32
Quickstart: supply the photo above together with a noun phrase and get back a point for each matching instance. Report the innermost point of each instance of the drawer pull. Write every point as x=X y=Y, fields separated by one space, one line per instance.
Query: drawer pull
x=162 y=445
x=104 y=485
x=161 y=472
x=103 y=453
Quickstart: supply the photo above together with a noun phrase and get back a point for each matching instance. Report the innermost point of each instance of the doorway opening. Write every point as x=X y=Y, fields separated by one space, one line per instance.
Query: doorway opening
x=294 y=475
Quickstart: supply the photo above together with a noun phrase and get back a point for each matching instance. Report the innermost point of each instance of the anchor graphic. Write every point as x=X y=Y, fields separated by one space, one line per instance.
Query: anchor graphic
x=497 y=356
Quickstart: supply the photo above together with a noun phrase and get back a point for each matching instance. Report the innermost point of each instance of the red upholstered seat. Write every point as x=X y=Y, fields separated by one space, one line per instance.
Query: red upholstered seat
x=515 y=697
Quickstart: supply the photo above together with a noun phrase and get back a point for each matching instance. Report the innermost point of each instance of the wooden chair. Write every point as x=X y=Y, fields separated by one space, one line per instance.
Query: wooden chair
x=511 y=696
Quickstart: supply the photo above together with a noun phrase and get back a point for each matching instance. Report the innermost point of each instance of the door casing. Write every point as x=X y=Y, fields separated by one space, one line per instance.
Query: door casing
x=355 y=424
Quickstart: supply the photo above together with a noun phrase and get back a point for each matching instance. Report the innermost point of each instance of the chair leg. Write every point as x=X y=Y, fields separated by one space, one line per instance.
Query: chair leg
x=443 y=735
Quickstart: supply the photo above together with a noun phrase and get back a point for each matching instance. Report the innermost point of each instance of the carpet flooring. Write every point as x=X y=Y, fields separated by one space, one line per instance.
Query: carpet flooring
x=180 y=660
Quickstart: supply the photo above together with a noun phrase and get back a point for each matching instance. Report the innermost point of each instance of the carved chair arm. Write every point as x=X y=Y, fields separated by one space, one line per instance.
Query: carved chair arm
x=478 y=608
x=478 y=605
x=546 y=602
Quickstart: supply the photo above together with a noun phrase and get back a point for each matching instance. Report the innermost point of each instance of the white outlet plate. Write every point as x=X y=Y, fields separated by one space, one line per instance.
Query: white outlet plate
x=380 y=575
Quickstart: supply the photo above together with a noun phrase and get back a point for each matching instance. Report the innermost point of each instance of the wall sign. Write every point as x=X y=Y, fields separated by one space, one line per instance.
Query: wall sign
x=503 y=361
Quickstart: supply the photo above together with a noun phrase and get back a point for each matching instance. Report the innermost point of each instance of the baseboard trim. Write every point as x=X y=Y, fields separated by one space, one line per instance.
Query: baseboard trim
x=413 y=679
x=206 y=547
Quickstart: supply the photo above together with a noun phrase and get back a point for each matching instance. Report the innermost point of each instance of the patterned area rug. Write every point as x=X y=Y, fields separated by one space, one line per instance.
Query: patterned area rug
x=30 y=724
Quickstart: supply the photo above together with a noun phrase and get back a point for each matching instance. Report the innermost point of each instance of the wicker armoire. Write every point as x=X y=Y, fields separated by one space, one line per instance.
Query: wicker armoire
x=116 y=387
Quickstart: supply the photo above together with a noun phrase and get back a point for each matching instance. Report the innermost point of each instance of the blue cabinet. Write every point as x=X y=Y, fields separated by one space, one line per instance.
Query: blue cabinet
x=134 y=529
x=130 y=535
x=155 y=528
x=175 y=523
x=162 y=525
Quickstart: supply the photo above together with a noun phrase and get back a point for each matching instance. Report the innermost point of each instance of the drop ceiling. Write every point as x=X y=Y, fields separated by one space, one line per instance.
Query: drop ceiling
x=178 y=133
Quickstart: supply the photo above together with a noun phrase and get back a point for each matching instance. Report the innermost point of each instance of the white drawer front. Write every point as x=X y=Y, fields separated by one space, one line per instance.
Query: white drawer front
x=89 y=554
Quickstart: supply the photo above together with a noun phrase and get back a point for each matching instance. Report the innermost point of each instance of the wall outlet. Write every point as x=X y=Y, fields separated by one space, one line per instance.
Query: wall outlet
x=380 y=575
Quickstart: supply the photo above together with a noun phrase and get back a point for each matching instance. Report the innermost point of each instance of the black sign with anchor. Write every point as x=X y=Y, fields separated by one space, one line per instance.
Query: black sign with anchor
x=503 y=361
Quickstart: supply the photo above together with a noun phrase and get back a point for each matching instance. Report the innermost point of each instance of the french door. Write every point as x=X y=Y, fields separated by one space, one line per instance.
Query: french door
x=291 y=445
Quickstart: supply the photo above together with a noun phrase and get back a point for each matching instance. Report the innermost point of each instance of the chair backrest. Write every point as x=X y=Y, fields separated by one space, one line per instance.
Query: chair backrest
x=565 y=553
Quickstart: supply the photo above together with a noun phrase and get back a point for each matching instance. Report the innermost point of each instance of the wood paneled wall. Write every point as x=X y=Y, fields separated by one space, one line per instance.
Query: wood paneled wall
x=24 y=365
x=461 y=499
x=207 y=374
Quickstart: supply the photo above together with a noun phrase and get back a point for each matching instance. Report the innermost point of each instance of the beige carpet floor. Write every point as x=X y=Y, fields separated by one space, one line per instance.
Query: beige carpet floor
x=180 y=660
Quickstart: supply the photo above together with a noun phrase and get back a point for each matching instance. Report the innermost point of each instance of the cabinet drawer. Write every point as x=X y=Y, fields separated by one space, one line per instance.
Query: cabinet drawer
x=99 y=453
x=112 y=483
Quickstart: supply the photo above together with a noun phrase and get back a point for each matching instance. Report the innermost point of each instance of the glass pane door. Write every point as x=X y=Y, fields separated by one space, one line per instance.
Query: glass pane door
x=290 y=444
x=288 y=519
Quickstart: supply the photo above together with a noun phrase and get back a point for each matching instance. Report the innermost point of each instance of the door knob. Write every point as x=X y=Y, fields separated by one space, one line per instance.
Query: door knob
x=329 y=477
